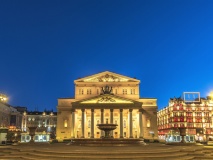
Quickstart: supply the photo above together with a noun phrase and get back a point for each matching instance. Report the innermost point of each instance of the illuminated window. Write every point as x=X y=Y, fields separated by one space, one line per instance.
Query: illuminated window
x=148 y=123
x=65 y=123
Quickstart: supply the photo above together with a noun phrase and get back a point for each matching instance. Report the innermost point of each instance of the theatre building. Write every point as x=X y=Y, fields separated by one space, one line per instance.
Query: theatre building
x=107 y=97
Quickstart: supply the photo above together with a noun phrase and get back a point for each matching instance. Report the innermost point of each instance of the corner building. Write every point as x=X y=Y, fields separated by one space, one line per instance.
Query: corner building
x=107 y=97
x=187 y=118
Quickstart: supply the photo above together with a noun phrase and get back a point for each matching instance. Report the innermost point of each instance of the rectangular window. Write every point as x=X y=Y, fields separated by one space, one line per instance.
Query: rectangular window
x=97 y=91
x=89 y=91
x=132 y=91
x=148 y=123
x=124 y=91
x=65 y=123
x=81 y=91
x=115 y=91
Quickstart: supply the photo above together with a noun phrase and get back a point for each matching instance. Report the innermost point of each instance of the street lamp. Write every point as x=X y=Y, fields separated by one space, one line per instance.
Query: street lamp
x=3 y=98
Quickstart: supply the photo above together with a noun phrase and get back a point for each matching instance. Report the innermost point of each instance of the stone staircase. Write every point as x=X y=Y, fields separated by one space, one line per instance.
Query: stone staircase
x=62 y=151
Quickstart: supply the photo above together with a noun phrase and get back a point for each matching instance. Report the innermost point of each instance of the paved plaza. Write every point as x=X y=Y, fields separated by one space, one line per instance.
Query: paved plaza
x=152 y=151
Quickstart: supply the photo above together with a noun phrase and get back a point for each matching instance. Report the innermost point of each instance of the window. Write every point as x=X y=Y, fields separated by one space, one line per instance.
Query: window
x=65 y=123
x=148 y=123
x=181 y=114
x=89 y=91
x=97 y=91
x=132 y=91
x=116 y=91
x=124 y=91
x=81 y=91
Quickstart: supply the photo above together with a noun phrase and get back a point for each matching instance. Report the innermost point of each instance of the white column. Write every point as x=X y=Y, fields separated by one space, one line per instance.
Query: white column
x=82 y=122
x=73 y=124
x=140 y=123
x=102 y=121
x=92 y=123
x=121 y=123
x=111 y=120
x=130 y=124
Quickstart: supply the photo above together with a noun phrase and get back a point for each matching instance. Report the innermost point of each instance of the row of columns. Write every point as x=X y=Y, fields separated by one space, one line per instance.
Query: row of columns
x=102 y=121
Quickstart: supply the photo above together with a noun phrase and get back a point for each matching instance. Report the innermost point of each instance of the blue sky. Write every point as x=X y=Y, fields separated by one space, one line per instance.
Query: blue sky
x=46 y=45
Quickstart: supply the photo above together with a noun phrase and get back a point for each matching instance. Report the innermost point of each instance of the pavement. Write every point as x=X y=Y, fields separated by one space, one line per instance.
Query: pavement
x=151 y=151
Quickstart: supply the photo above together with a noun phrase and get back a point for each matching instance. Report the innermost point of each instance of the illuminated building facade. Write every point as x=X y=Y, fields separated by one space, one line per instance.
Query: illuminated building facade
x=111 y=97
x=44 y=124
x=187 y=118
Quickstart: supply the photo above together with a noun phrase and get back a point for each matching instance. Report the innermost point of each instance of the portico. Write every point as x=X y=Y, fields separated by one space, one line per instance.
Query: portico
x=85 y=127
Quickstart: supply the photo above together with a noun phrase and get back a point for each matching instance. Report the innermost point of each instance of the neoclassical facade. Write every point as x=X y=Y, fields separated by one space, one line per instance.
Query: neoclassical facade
x=103 y=97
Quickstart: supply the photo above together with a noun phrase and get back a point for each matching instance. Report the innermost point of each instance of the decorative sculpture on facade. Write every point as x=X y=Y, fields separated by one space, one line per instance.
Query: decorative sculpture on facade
x=106 y=100
x=106 y=90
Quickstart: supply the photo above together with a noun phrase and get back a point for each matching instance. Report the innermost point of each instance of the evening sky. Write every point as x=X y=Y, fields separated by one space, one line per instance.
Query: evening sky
x=46 y=45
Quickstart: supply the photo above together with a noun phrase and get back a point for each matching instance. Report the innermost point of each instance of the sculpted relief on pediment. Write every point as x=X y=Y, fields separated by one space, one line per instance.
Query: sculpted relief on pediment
x=106 y=99
x=106 y=78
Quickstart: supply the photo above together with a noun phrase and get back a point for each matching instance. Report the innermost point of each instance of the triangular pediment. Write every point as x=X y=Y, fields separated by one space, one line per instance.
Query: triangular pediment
x=107 y=98
x=107 y=77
